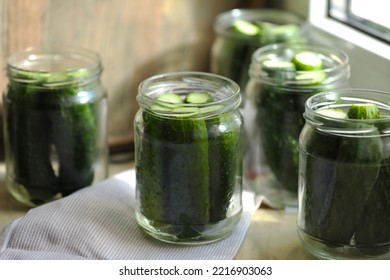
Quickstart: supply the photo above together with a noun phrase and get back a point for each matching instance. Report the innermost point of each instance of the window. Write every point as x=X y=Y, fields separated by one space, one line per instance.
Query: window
x=369 y=17
x=361 y=22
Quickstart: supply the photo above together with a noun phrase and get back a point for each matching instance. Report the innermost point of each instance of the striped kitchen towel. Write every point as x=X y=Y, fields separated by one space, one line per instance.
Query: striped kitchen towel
x=98 y=223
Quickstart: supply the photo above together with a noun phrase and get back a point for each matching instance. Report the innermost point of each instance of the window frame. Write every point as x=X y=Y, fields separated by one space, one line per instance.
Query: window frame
x=319 y=16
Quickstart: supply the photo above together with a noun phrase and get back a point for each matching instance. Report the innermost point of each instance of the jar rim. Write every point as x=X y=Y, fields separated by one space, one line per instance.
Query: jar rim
x=345 y=97
x=339 y=71
x=190 y=81
x=78 y=63
x=224 y=20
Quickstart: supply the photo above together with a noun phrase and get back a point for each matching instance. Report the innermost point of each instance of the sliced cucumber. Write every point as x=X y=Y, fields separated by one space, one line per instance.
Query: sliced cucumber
x=169 y=99
x=279 y=65
x=246 y=28
x=333 y=113
x=279 y=69
x=307 y=61
x=211 y=108
x=185 y=111
x=363 y=111
x=198 y=98
x=310 y=78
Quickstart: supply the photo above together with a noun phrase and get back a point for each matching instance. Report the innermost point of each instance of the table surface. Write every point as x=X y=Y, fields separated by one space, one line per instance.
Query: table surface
x=271 y=235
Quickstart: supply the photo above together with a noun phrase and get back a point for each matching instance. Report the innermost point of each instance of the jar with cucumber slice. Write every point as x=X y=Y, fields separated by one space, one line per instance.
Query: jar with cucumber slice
x=282 y=78
x=344 y=175
x=188 y=157
x=239 y=32
x=55 y=123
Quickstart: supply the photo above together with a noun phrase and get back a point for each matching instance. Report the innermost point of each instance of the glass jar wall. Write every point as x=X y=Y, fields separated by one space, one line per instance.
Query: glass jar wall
x=188 y=157
x=55 y=126
x=344 y=174
x=282 y=78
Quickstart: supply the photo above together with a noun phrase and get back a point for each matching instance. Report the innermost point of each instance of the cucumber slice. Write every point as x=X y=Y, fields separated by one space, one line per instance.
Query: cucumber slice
x=307 y=61
x=363 y=111
x=280 y=69
x=278 y=65
x=333 y=113
x=310 y=78
x=169 y=98
x=211 y=108
x=278 y=30
x=246 y=28
x=185 y=111
x=198 y=98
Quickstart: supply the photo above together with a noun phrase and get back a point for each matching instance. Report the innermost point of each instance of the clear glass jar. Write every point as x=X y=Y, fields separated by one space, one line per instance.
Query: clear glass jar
x=273 y=115
x=188 y=158
x=231 y=51
x=55 y=125
x=344 y=178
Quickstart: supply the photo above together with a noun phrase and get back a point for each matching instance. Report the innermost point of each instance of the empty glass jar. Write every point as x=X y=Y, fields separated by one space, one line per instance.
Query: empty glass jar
x=188 y=157
x=344 y=175
x=282 y=78
x=55 y=126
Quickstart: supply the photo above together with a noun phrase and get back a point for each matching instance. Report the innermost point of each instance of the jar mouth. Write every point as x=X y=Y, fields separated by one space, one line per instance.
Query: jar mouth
x=225 y=92
x=224 y=21
x=54 y=67
x=335 y=66
x=342 y=99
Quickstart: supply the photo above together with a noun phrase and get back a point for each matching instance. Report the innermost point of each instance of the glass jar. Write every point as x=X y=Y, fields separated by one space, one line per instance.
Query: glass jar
x=344 y=177
x=188 y=158
x=232 y=50
x=273 y=114
x=55 y=126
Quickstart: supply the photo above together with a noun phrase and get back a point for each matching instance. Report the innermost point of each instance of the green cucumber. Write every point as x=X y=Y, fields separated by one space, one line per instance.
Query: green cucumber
x=372 y=235
x=186 y=178
x=55 y=120
x=363 y=111
x=356 y=170
x=280 y=121
x=150 y=189
x=225 y=161
x=27 y=126
x=74 y=136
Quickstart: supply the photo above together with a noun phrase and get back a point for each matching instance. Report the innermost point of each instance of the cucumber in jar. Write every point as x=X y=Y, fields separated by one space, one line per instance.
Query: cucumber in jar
x=187 y=166
x=338 y=187
x=280 y=109
x=26 y=127
x=47 y=119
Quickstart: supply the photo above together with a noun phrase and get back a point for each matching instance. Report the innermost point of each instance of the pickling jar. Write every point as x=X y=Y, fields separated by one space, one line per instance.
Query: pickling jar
x=344 y=177
x=188 y=157
x=232 y=50
x=273 y=114
x=55 y=123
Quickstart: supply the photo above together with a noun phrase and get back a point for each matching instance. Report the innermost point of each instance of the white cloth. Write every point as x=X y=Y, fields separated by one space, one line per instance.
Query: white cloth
x=98 y=222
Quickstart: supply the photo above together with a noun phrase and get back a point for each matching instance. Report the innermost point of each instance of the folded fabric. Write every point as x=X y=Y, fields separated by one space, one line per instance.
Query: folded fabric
x=98 y=222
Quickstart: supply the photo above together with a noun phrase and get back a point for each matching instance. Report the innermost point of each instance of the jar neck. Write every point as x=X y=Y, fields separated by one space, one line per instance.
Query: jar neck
x=54 y=68
x=225 y=93
x=335 y=72
x=342 y=100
